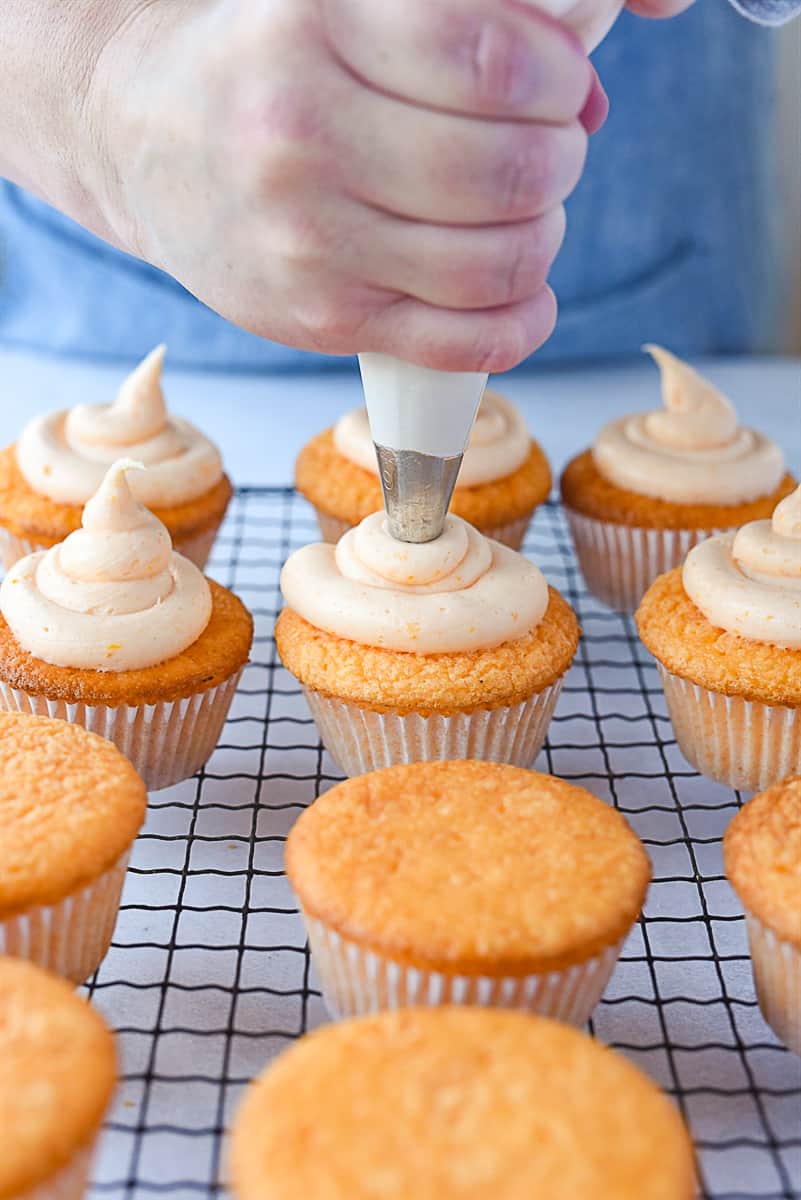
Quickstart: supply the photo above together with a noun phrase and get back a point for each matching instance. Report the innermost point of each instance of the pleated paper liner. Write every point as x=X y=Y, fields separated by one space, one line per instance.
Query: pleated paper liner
x=361 y=740
x=166 y=742
x=620 y=562
x=777 y=977
x=356 y=981
x=742 y=743
x=70 y=937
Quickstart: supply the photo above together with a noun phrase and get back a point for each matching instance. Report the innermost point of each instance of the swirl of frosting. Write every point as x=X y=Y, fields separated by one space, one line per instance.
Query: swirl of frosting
x=458 y=593
x=749 y=583
x=499 y=442
x=65 y=454
x=693 y=451
x=113 y=596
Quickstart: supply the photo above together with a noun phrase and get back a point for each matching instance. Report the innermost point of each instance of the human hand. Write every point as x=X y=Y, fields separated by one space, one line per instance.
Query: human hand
x=347 y=175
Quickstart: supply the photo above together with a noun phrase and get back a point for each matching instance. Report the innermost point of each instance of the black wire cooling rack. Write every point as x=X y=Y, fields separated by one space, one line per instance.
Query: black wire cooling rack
x=209 y=976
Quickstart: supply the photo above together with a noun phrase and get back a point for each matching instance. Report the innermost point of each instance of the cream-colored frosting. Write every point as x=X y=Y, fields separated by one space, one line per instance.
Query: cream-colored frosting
x=750 y=582
x=692 y=451
x=65 y=454
x=458 y=593
x=499 y=442
x=113 y=596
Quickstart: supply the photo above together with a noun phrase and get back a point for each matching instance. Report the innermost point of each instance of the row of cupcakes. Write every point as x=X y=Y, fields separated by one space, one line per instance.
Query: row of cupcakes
x=403 y=879
x=652 y=485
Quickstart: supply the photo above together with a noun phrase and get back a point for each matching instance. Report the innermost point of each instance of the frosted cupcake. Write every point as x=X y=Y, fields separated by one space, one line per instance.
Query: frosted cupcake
x=457 y=1104
x=454 y=648
x=503 y=477
x=113 y=630
x=60 y=459
x=466 y=883
x=656 y=483
x=58 y=1074
x=70 y=808
x=726 y=633
x=762 y=853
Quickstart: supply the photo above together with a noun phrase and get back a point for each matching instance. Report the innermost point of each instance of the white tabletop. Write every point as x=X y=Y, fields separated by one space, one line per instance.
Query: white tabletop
x=261 y=421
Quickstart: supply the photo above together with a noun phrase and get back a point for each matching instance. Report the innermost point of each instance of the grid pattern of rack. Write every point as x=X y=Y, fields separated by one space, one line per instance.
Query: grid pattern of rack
x=209 y=976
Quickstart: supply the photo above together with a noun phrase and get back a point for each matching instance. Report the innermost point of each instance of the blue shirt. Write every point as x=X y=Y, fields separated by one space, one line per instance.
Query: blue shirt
x=671 y=232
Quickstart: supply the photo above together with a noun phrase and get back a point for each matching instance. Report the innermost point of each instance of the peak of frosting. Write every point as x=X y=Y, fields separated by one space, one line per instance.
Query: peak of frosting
x=499 y=442
x=138 y=414
x=458 y=593
x=691 y=451
x=64 y=455
x=749 y=583
x=696 y=415
x=113 y=595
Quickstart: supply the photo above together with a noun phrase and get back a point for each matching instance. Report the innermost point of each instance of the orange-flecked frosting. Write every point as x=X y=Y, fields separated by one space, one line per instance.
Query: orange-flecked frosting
x=65 y=454
x=749 y=582
x=112 y=596
x=692 y=451
x=499 y=442
x=458 y=593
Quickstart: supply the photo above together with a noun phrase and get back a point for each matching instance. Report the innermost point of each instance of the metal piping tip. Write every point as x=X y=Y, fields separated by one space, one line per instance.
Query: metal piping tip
x=417 y=491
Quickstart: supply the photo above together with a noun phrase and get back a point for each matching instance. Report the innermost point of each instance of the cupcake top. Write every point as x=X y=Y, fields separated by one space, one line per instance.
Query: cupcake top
x=70 y=806
x=691 y=451
x=58 y=1074
x=749 y=582
x=762 y=853
x=499 y=442
x=113 y=596
x=457 y=1104
x=458 y=593
x=469 y=866
x=65 y=454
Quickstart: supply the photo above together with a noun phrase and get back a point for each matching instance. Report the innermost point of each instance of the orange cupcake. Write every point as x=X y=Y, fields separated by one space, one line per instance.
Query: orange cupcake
x=457 y=1104
x=60 y=459
x=454 y=648
x=504 y=475
x=58 y=1076
x=762 y=854
x=655 y=484
x=113 y=630
x=70 y=808
x=725 y=631
x=467 y=883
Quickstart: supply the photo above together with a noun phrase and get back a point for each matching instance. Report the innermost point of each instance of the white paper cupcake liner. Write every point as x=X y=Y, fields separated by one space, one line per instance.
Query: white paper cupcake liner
x=620 y=562
x=68 y=1183
x=355 y=981
x=361 y=740
x=511 y=534
x=777 y=977
x=197 y=548
x=72 y=936
x=166 y=742
x=742 y=743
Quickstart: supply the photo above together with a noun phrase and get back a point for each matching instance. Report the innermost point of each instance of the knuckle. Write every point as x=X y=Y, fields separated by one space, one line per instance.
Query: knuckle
x=496 y=63
x=502 y=347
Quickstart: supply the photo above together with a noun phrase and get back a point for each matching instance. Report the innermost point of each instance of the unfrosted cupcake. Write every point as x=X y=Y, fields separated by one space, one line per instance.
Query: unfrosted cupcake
x=70 y=808
x=656 y=483
x=726 y=633
x=762 y=853
x=60 y=458
x=113 y=630
x=454 y=648
x=56 y=1081
x=457 y=1104
x=503 y=477
x=467 y=883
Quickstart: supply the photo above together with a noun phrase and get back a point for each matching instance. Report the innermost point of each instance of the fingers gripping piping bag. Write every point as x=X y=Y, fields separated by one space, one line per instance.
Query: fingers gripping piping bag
x=420 y=418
